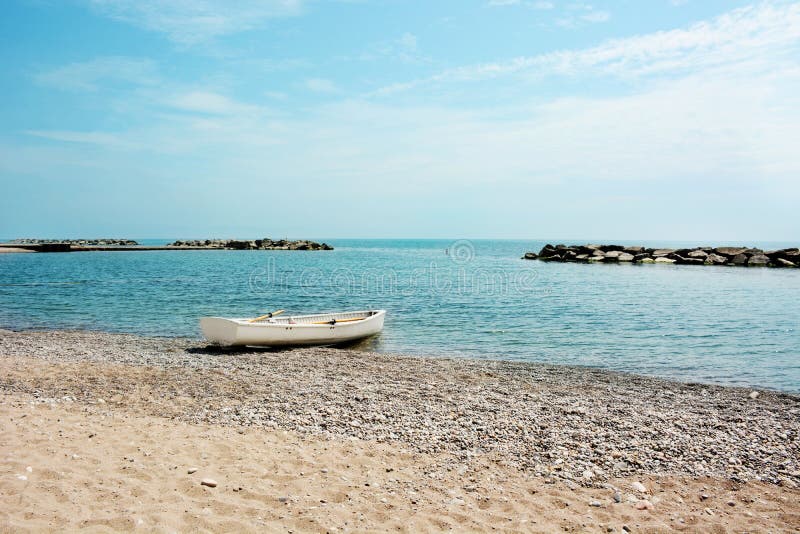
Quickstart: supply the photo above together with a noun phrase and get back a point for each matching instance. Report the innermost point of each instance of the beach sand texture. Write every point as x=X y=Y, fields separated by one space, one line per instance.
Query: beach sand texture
x=101 y=431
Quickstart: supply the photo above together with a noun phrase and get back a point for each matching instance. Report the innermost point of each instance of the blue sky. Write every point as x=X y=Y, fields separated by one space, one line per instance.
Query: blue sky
x=673 y=119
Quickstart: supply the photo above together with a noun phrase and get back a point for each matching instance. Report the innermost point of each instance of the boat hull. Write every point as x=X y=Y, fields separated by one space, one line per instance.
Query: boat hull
x=292 y=331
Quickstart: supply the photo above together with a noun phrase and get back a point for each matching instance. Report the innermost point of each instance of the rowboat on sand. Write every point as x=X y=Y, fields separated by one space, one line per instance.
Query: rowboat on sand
x=297 y=330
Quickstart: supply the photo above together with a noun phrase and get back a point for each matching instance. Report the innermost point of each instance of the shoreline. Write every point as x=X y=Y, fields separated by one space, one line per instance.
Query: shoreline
x=497 y=358
x=431 y=443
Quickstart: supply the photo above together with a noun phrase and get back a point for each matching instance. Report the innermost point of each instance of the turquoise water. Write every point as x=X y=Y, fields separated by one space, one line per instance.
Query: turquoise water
x=460 y=298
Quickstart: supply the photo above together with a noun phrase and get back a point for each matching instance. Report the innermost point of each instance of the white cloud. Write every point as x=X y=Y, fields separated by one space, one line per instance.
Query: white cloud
x=193 y=21
x=88 y=76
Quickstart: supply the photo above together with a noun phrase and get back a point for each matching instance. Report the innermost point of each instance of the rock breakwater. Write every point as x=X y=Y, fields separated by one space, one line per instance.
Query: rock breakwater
x=735 y=256
x=77 y=242
x=256 y=244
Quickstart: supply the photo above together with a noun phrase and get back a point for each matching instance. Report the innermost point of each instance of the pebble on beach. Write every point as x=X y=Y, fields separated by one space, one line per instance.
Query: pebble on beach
x=210 y=482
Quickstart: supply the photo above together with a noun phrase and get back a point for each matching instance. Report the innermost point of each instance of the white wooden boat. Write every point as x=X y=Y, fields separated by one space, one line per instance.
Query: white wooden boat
x=272 y=331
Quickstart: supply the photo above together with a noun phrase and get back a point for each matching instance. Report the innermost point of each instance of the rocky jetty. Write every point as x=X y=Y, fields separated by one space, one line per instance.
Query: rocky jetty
x=737 y=256
x=78 y=242
x=256 y=244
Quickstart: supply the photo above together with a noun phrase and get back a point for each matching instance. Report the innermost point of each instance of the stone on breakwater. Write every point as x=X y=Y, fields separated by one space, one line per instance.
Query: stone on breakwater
x=729 y=251
x=741 y=256
x=758 y=260
x=716 y=259
x=739 y=259
x=663 y=252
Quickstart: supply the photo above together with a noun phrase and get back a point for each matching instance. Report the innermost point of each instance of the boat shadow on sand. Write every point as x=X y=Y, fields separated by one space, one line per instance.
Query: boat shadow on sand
x=368 y=344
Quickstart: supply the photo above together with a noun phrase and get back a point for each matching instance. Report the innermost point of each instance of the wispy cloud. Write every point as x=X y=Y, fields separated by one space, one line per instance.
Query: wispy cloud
x=405 y=48
x=105 y=139
x=538 y=4
x=193 y=21
x=580 y=14
x=747 y=34
x=89 y=75
x=320 y=85
x=210 y=103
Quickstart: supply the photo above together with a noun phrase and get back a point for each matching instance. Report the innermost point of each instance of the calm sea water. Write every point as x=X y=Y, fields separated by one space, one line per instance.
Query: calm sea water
x=459 y=298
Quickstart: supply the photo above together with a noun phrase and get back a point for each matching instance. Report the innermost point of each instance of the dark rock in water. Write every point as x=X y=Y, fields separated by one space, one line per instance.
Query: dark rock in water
x=781 y=262
x=758 y=260
x=729 y=251
x=569 y=255
x=634 y=250
x=683 y=260
x=791 y=254
x=640 y=257
x=739 y=259
x=530 y=256
x=548 y=251
x=608 y=248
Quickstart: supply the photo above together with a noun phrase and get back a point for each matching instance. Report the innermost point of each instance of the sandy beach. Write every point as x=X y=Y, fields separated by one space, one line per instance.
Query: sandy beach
x=118 y=432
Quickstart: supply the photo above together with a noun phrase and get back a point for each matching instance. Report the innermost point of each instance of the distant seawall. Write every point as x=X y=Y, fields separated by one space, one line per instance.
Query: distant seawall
x=109 y=245
x=735 y=256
